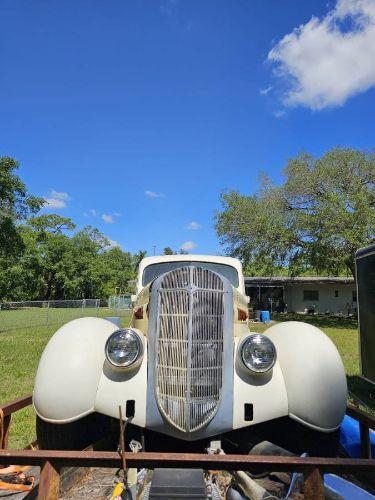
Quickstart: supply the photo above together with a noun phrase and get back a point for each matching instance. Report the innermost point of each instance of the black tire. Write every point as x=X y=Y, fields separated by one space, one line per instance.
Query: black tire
x=75 y=435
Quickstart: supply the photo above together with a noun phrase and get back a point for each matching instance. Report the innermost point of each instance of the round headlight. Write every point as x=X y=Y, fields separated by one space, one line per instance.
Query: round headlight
x=258 y=353
x=123 y=347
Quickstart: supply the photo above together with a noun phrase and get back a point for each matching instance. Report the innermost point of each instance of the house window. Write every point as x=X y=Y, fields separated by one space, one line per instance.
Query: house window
x=336 y=293
x=309 y=295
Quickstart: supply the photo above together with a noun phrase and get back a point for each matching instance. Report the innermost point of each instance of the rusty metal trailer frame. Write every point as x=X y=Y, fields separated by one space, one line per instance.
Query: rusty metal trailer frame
x=312 y=468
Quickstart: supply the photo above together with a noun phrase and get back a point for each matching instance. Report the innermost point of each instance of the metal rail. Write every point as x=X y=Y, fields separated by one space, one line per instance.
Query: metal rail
x=313 y=468
x=366 y=422
x=151 y=460
x=16 y=404
x=6 y=416
x=51 y=461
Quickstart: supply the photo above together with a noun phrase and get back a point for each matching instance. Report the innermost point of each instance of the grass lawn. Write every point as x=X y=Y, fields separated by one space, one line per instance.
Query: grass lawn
x=20 y=351
x=344 y=334
x=30 y=317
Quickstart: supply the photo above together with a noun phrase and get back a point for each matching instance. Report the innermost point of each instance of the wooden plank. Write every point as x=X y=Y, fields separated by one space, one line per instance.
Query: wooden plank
x=314 y=484
x=180 y=460
x=17 y=404
x=361 y=416
x=49 y=482
x=365 y=440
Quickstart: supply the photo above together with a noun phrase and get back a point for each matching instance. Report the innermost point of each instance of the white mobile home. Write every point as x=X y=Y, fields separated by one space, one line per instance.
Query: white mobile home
x=322 y=295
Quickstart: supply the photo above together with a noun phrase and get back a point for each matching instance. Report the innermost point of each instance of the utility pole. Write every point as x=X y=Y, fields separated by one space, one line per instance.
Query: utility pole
x=154 y=247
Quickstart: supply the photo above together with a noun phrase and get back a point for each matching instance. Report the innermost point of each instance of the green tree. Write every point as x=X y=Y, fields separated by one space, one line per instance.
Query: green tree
x=168 y=251
x=80 y=261
x=138 y=257
x=317 y=218
x=113 y=271
x=16 y=204
x=21 y=276
x=39 y=259
x=34 y=274
x=55 y=265
x=51 y=223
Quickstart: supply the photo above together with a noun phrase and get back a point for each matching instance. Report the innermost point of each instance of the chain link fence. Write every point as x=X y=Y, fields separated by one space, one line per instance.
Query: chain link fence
x=17 y=315
x=120 y=303
x=120 y=306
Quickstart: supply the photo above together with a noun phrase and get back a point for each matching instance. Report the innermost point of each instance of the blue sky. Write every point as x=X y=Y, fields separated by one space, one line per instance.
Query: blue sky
x=132 y=116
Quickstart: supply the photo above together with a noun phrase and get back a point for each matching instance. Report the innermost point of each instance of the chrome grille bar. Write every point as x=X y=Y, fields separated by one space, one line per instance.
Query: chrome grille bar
x=189 y=358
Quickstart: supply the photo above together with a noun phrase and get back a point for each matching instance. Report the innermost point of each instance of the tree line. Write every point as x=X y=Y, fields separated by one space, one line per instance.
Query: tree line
x=44 y=257
x=310 y=223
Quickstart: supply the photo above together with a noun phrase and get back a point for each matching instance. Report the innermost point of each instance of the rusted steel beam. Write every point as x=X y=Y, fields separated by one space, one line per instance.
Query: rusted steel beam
x=4 y=431
x=361 y=416
x=17 y=404
x=180 y=460
x=313 y=484
x=49 y=482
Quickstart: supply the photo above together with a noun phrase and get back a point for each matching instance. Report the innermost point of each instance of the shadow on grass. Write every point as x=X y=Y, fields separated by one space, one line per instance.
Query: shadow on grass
x=363 y=389
x=319 y=321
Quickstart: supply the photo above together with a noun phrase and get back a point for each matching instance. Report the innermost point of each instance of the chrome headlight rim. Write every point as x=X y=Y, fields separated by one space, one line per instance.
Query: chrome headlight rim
x=251 y=339
x=136 y=359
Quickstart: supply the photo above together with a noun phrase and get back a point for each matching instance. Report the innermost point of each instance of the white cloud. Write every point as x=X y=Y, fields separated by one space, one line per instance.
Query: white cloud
x=56 y=199
x=266 y=90
x=188 y=245
x=153 y=194
x=326 y=61
x=55 y=203
x=108 y=219
x=193 y=225
x=90 y=213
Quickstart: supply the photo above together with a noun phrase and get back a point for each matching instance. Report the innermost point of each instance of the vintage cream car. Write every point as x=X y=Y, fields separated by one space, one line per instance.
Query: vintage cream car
x=188 y=368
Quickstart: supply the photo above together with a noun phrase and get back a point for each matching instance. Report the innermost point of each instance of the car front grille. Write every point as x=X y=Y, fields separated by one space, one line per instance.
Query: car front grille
x=189 y=347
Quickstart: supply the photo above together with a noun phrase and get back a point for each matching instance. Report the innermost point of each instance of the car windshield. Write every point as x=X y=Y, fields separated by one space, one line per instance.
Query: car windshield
x=154 y=270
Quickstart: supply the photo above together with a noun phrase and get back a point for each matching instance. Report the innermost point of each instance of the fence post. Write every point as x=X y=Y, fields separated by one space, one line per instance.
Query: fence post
x=47 y=315
x=313 y=485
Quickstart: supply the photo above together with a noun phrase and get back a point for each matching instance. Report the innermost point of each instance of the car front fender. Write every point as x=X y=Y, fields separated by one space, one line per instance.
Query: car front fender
x=70 y=369
x=313 y=372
